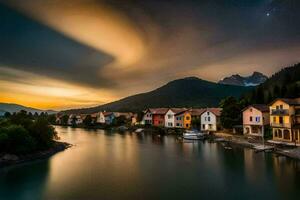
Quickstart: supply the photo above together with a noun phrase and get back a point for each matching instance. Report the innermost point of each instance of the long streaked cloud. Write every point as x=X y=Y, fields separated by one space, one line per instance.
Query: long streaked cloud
x=126 y=47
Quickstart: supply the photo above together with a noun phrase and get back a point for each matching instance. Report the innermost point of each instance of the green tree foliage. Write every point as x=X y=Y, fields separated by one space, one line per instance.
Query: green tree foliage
x=20 y=134
x=51 y=119
x=64 y=119
x=231 y=112
x=283 y=84
x=7 y=114
x=88 y=121
x=119 y=121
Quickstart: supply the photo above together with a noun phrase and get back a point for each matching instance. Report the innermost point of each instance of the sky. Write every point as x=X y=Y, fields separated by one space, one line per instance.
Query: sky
x=78 y=53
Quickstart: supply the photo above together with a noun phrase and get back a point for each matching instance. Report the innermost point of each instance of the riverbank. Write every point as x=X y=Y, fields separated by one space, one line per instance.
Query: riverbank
x=11 y=159
x=291 y=152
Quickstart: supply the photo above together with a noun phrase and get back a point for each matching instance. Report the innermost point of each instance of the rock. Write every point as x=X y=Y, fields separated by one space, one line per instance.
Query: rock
x=10 y=157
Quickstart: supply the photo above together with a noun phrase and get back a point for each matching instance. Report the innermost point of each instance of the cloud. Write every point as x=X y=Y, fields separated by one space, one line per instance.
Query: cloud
x=127 y=47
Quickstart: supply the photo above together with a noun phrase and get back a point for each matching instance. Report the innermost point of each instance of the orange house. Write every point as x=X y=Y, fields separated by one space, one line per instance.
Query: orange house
x=158 y=116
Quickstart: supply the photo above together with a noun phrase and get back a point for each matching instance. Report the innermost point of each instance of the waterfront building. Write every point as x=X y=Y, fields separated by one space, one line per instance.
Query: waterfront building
x=256 y=118
x=210 y=119
x=170 y=116
x=285 y=120
x=183 y=119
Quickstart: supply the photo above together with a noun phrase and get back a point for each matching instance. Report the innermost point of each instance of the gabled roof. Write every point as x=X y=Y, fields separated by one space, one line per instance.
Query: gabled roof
x=182 y=112
x=158 y=111
x=197 y=111
x=107 y=113
x=295 y=101
x=177 y=110
x=260 y=107
x=215 y=111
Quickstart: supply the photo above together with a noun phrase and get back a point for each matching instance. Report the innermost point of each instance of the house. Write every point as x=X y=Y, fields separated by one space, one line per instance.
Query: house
x=255 y=119
x=147 y=117
x=285 y=120
x=210 y=119
x=74 y=119
x=100 y=118
x=158 y=116
x=109 y=117
x=183 y=119
x=170 y=116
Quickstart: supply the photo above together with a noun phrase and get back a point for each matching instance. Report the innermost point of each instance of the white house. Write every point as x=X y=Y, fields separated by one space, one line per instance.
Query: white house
x=147 y=118
x=75 y=119
x=170 y=116
x=210 y=119
x=100 y=118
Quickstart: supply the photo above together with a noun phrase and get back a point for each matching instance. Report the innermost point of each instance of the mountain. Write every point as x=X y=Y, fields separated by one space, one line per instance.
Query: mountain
x=187 y=92
x=255 y=79
x=9 y=107
x=283 y=84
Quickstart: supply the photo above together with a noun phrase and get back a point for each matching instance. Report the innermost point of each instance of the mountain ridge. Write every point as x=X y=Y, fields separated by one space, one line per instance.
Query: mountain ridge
x=256 y=78
x=12 y=107
x=185 y=92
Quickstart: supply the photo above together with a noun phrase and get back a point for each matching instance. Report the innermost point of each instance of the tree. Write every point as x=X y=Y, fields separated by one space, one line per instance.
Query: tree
x=7 y=114
x=121 y=120
x=43 y=132
x=87 y=121
x=51 y=119
x=64 y=119
x=231 y=112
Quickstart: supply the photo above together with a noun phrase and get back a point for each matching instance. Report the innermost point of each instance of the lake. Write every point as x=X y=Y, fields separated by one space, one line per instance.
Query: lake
x=112 y=165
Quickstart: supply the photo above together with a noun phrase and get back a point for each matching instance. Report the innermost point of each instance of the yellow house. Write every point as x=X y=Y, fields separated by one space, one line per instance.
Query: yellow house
x=187 y=120
x=285 y=120
x=183 y=119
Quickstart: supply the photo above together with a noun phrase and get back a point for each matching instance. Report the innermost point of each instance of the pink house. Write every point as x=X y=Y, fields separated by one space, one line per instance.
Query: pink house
x=255 y=119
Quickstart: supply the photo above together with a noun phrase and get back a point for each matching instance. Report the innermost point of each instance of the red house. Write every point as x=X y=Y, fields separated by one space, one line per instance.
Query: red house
x=158 y=116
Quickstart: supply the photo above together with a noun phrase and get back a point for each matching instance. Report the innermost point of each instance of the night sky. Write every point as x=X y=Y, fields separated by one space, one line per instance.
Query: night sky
x=79 y=53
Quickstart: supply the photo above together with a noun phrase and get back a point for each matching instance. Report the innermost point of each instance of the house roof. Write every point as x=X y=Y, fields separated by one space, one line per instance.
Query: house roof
x=260 y=107
x=295 y=101
x=107 y=113
x=159 y=111
x=215 y=111
x=177 y=110
x=197 y=111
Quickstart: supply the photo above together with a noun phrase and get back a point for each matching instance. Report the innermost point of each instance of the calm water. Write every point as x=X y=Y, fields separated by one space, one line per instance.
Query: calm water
x=106 y=165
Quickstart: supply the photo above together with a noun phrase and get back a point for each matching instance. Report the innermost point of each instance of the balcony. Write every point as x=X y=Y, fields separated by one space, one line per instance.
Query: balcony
x=286 y=125
x=279 y=112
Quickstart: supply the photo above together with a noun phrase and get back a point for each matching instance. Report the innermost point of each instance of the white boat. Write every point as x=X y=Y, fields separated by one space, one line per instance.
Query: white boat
x=139 y=130
x=193 y=135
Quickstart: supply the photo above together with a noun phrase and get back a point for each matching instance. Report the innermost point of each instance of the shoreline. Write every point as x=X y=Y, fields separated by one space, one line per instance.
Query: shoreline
x=290 y=152
x=11 y=159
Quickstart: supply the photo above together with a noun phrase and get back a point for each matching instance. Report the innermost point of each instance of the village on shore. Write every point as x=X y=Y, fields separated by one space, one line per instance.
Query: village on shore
x=281 y=117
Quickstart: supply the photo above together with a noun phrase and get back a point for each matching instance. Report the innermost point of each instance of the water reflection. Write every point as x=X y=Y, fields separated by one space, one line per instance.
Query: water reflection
x=110 y=165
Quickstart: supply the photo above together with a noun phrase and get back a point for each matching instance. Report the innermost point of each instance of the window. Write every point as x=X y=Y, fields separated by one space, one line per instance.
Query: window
x=250 y=119
x=208 y=119
x=187 y=118
x=274 y=119
x=205 y=119
x=177 y=124
x=277 y=107
x=257 y=119
x=276 y=133
x=281 y=106
x=203 y=126
x=250 y=109
x=207 y=113
x=281 y=120
x=170 y=124
x=169 y=116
